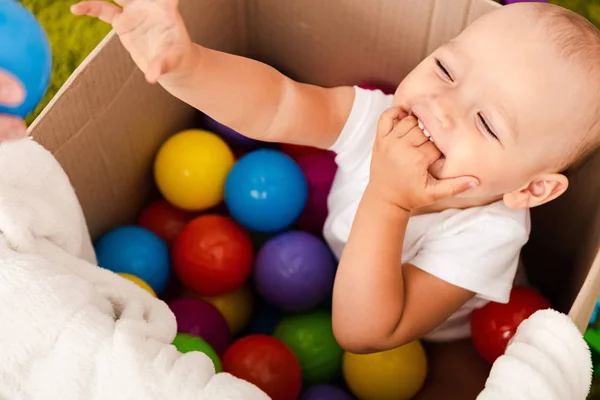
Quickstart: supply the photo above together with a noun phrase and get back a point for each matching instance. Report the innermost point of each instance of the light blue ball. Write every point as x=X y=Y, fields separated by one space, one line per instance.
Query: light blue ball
x=266 y=191
x=136 y=251
x=25 y=53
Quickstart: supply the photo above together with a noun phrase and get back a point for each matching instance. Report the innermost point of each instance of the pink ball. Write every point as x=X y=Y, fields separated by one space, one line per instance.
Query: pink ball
x=385 y=88
x=319 y=169
x=200 y=318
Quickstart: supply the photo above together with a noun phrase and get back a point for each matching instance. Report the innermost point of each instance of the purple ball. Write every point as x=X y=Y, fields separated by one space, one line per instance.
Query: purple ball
x=326 y=392
x=294 y=271
x=230 y=136
x=200 y=318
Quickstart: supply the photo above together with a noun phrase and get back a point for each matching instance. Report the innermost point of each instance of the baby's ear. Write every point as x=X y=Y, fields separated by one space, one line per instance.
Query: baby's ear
x=542 y=189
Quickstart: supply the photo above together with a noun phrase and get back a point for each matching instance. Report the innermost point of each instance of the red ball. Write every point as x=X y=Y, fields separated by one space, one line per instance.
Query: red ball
x=164 y=219
x=266 y=362
x=212 y=255
x=493 y=325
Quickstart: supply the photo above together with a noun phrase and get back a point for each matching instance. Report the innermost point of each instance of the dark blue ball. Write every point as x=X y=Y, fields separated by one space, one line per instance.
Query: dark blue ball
x=25 y=53
x=136 y=251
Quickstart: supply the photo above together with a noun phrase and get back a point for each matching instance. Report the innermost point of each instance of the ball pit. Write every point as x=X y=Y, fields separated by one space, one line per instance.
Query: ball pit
x=319 y=168
x=185 y=343
x=326 y=392
x=138 y=281
x=396 y=374
x=136 y=251
x=493 y=325
x=310 y=336
x=236 y=307
x=212 y=255
x=294 y=271
x=190 y=169
x=25 y=54
x=266 y=362
x=200 y=318
x=266 y=191
x=164 y=219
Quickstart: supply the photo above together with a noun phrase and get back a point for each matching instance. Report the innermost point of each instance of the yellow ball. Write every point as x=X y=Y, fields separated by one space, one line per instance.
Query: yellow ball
x=236 y=307
x=191 y=167
x=395 y=374
x=138 y=281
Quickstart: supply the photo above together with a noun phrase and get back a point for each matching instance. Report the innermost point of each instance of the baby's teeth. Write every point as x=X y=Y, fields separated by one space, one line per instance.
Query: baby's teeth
x=421 y=127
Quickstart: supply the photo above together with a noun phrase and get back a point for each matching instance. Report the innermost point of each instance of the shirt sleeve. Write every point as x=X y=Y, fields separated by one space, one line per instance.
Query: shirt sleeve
x=355 y=143
x=478 y=250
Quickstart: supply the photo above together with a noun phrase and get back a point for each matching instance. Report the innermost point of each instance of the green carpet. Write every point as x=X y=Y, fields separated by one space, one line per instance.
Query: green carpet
x=72 y=38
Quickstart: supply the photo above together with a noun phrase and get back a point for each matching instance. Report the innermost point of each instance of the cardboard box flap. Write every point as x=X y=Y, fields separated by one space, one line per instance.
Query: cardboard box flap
x=346 y=42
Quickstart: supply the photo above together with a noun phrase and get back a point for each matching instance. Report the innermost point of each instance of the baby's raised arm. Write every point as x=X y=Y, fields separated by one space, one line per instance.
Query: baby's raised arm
x=248 y=96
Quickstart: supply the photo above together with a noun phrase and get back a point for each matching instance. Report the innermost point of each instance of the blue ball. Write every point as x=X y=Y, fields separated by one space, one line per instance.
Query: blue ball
x=266 y=191
x=24 y=53
x=136 y=251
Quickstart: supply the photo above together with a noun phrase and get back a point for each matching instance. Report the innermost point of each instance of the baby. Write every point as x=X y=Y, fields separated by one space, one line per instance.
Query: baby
x=430 y=206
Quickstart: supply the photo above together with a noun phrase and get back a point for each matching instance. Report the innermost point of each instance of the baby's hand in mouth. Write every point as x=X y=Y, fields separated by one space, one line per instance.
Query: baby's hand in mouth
x=400 y=167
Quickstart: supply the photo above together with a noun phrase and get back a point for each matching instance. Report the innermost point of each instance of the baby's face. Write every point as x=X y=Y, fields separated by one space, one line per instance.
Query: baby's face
x=499 y=101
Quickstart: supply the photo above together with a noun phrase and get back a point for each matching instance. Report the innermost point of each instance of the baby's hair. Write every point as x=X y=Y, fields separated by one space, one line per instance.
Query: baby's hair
x=578 y=40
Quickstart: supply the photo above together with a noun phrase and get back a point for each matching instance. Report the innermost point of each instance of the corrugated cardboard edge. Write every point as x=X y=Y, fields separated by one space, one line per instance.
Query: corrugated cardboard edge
x=583 y=306
x=72 y=78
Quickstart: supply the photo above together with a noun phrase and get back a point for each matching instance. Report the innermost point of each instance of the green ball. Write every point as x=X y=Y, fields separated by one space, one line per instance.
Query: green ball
x=186 y=343
x=310 y=336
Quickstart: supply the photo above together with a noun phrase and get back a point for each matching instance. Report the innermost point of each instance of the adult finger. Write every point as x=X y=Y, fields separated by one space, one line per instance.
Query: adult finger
x=11 y=91
x=441 y=189
x=12 y=127
x=102 y=10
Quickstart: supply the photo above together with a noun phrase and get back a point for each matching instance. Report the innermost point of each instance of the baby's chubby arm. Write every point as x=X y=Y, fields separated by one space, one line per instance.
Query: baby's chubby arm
x=379 y=304
x=248 y=96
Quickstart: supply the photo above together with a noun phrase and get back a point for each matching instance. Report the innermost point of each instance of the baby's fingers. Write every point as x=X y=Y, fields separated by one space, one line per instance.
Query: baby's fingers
x=11 y=92
x=388 y=120
x=102 y=10
x=441 y=189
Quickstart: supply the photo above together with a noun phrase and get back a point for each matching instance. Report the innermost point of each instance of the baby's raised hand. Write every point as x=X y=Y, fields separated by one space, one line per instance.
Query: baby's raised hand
x=402 y=155
x=152 y=31
x=11 y=94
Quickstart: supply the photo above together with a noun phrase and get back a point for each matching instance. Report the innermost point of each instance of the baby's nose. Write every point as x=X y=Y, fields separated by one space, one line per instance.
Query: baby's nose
x=442 y=107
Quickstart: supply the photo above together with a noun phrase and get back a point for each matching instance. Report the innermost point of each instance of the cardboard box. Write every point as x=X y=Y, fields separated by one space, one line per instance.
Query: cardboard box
x=106 y=124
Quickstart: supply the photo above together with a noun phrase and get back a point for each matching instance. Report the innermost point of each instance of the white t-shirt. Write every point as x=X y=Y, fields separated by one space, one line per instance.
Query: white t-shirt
x=476 y=249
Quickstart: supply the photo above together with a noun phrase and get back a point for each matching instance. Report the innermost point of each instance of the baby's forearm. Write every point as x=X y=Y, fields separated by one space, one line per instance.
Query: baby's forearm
x=368 y=296
x=257 y=100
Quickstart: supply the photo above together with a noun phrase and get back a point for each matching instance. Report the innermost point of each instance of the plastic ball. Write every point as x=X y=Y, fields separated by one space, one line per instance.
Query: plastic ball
x=267 y=363
x=212 y=255
x=264 y=319
x=236 y=307
x=185 y=343
x=296 y=151
x=326 y=392
x=493 y=325
x=200 y=318
x=310 y=336
x=136 y=251
x=385 y=88
x=25 y=54
x=164 y=219
x=191 y=167
x=294 y=271
x=138 y=282
x=319 y=169
x=506 y=2
x=396 y=374
x=266 y=191
x=231 y=136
